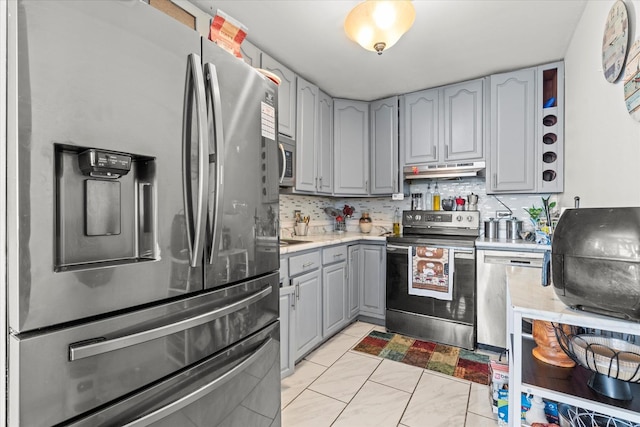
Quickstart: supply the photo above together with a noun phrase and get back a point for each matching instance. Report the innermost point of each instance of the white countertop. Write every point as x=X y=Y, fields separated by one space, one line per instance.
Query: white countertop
x=539 y=302
x=511 y=245
x=328 y=239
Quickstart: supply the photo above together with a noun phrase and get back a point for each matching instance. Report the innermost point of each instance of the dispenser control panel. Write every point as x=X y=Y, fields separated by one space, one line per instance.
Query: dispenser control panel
x=104 y=164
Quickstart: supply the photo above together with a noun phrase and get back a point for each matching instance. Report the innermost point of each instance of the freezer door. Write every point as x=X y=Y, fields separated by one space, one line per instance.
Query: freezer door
x=111 y=76
x=238 y=387
x=69 y=373
x=243 y=154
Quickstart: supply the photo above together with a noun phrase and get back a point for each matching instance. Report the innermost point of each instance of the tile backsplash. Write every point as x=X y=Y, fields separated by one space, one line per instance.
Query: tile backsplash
x=381 y=209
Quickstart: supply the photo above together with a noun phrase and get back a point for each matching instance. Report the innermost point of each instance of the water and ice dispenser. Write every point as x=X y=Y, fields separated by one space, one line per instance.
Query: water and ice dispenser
x=105 y=207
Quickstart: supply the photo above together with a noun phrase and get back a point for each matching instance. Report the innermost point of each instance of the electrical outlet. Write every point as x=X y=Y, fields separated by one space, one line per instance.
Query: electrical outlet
x=503 y=214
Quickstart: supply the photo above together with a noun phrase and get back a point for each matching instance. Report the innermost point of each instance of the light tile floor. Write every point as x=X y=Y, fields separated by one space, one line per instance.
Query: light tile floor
x=335 y=386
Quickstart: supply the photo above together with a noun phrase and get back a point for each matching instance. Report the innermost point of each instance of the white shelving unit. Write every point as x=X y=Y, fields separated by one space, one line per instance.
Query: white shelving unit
x=526 y=300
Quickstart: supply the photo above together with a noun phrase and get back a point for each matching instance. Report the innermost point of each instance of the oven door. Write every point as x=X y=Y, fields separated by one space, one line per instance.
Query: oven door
x=450 y=322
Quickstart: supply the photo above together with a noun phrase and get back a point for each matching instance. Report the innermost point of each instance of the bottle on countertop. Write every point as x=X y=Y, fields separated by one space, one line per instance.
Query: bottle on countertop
x=428 y=199
x=436 y=198
x=397 y=218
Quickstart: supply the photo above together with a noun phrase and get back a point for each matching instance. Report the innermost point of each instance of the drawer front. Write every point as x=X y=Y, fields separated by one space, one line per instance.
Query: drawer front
x=334 y=254
x=302 y=263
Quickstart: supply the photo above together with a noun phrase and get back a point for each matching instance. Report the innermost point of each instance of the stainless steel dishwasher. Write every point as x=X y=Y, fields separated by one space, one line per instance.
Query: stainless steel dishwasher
x=492 y=268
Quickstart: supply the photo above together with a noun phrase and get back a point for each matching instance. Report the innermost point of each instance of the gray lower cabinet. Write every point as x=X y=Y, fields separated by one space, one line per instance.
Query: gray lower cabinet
x=372 y=301
x=334 y=290
x=308 y=313
x=287 y=330
x=367 y=268
x=355 y=274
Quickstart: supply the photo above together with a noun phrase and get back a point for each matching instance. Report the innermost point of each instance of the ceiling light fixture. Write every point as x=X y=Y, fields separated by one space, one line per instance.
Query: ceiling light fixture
x=378 y=25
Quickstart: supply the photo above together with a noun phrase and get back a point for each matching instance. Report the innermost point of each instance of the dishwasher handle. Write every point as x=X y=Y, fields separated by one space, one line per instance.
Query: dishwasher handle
x=530 y=262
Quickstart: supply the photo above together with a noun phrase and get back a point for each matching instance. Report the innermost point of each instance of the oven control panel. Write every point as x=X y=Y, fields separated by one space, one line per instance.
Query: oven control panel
x=453 y=219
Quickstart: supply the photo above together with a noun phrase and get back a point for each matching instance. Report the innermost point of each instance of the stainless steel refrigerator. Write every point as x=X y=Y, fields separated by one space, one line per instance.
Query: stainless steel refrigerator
x=142 y=207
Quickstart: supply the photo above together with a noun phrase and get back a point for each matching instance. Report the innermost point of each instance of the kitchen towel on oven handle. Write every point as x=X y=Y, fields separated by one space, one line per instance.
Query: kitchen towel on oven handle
x=431 y=272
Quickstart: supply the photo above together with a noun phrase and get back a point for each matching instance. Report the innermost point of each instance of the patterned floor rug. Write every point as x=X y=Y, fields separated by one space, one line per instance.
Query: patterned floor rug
x=448 y=360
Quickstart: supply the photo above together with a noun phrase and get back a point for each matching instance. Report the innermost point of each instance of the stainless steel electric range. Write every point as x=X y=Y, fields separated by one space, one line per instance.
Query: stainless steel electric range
x=431 y=277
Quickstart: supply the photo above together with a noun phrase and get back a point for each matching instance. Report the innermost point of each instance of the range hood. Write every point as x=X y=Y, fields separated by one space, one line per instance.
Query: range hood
x=444 y=171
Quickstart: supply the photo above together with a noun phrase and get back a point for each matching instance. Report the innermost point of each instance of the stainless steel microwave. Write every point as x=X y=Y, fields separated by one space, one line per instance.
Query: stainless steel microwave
x=287 y=161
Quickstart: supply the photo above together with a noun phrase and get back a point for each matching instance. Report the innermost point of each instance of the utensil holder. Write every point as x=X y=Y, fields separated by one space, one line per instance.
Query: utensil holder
x=301 y=229
x=341 y=226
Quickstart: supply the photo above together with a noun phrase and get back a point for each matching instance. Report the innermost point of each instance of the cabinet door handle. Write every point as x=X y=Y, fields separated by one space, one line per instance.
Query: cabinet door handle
x=495 y=180
x=307 y=264
x=297 y=290
x=320 y=187
x=446 y=151
x=434 y=152
x=338 y=255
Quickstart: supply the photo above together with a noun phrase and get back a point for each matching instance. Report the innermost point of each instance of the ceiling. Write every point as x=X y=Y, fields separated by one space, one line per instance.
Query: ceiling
x=450 y=41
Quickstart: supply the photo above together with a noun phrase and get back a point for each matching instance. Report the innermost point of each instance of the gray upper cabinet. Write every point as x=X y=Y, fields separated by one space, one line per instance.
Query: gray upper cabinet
x=463 y=121
x=527 y=131
x=314 y=139
x=250 y=54
x=325 y=144
x=550 y=128
x=443 y=124
x=511 y=167
x=351 y=147
x=419 y=130
x=306 y=136
x=286 y=95
x=384 y=146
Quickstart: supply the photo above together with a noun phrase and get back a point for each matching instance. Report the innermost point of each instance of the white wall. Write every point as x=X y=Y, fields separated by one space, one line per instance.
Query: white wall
x=602 y=141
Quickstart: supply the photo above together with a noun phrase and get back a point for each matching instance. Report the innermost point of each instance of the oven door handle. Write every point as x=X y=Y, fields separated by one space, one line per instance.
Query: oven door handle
x=395 y=248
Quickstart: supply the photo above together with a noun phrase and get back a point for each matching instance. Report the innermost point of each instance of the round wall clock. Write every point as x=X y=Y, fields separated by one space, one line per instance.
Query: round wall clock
x=632 y=81
x=615 y=41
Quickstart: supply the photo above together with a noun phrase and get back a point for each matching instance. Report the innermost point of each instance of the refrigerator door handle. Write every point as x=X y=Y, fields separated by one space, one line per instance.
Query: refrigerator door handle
x=94 y=347
x=196 y=395
x=284 y=163
x=214 y=106
x=195 y=85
